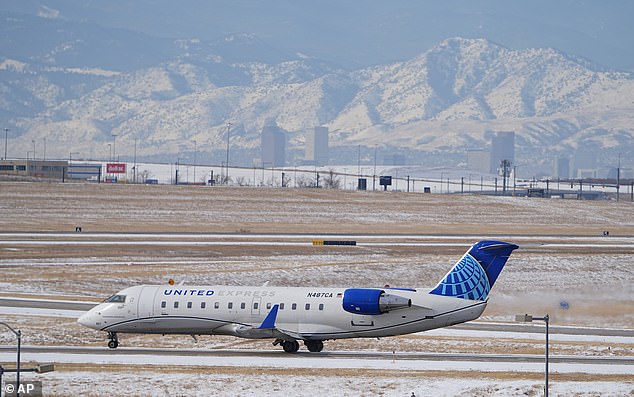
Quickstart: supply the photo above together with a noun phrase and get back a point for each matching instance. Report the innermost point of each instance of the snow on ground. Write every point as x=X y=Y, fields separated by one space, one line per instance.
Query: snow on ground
x=152 y=383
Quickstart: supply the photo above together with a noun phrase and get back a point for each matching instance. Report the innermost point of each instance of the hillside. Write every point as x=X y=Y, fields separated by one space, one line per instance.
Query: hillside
x=177 y=92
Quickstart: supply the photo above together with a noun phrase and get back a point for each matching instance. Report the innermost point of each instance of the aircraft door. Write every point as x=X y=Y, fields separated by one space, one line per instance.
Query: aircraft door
x=145 y=309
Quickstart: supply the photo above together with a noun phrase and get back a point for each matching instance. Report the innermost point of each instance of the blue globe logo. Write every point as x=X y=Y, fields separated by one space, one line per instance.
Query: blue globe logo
x=466 y=280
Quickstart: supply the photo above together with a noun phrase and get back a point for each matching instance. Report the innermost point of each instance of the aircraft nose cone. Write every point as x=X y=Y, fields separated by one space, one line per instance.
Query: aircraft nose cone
x=88 y=319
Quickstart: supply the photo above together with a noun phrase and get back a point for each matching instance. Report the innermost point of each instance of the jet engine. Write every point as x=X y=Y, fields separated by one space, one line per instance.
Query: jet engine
x=372 y=301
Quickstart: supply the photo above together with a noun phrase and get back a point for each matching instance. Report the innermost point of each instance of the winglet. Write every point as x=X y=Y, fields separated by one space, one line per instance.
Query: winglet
x=269 y=321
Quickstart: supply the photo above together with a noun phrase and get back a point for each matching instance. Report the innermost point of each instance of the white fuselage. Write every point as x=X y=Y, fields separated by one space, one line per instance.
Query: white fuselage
x=303 y=313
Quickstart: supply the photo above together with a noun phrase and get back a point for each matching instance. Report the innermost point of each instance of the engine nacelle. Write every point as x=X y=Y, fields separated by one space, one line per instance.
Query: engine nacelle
x=372 y=301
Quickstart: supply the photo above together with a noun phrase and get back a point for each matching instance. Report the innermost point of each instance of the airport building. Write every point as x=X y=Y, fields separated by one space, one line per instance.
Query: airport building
x=34 y=168
x=316 y=147
x=273 y=144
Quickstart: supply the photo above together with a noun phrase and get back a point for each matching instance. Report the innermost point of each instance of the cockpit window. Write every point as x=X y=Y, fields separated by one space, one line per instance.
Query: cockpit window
x=116 y=299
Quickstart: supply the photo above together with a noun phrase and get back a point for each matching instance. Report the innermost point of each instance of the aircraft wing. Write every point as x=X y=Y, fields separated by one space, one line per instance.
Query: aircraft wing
x=267 y=329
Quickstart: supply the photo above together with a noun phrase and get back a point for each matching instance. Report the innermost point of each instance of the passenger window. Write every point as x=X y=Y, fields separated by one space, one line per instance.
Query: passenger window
x=243 y=305
x=255 y=305
x=294 y=306
x=176 y=305
x=189 y=305
x=216 y=305
x=202 y=305
x=268 y=305
x=281 y=306
x=321 y=306
x=308 y=306
x=230 y=305
x=163 y=304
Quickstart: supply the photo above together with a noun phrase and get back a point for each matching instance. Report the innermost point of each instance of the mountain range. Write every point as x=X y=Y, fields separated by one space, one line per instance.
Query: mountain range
x=77 y=85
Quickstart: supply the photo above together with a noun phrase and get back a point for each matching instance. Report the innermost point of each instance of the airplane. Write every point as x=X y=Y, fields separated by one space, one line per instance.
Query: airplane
x=312 y=315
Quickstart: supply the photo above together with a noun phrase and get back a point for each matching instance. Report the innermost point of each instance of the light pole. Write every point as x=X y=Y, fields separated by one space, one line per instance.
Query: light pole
x=374 y=175
x=618 y=178
x=18 y=335
x=6 y=133
x=195 y=150
x=109 y=152
x=33 y=141
x=526 y=318
x=114 y=147
x=135 y=139
x=227 y=163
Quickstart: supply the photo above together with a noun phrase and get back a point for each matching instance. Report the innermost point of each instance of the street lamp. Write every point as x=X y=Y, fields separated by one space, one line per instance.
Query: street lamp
x=18 y=335
x=526 y=318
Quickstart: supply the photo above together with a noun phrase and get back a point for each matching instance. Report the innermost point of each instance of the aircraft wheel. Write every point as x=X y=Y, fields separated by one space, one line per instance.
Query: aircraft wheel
x=290 y=346
x=113 y=344
x=315 y=346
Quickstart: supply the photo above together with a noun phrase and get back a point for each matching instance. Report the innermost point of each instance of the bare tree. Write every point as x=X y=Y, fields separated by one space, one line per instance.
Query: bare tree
x=332 y=180
x=145 y=175
x=305 y=181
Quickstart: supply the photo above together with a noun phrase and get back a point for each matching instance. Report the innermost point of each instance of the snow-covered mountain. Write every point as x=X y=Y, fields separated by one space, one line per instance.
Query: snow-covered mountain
x=447 y=99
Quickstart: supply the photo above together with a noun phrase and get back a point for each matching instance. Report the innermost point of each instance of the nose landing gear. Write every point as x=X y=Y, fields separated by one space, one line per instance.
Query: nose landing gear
x=114 y=341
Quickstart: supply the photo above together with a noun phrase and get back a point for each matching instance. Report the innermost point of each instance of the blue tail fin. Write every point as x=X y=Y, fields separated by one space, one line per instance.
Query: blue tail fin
x=474 y=275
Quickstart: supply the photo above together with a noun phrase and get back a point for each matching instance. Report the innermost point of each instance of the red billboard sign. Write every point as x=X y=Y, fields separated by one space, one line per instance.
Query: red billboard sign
x=115 y=168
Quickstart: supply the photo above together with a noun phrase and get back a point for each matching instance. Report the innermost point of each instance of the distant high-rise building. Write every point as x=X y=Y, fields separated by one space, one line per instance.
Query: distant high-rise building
x=479 y=160
x=317 y=146
x=502 y=148
x=273 y=142
x=585 y=160
x=562 y=168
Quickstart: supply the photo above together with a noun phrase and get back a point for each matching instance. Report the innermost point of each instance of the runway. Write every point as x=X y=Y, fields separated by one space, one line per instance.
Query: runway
x=370 y=355
x=10 y=240
x=385 y=361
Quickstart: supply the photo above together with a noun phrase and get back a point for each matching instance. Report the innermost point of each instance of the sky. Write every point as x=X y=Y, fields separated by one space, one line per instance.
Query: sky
x=359 y=33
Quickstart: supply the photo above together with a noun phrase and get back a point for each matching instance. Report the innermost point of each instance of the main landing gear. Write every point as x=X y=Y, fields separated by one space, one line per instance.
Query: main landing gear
x=314 y=346
x=292 y=346
x=114 y=341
